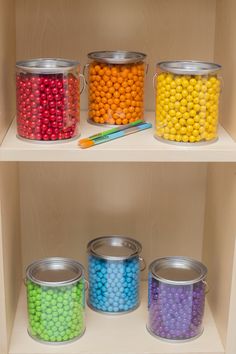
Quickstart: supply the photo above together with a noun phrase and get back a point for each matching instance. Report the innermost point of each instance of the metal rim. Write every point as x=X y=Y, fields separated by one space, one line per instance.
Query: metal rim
x=178 y=263
x=47 y=65
x=55 y=263
x=189 y=67
x=173 y=340
x=56 y=343
x=91 y=121
x=115 y=240
x=112 y=313
x=188 y=144
x=49 y=142
x=117 y=57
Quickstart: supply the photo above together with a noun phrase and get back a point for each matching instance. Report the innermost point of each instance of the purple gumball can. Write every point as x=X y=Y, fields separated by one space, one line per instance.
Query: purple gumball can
x=176 y=298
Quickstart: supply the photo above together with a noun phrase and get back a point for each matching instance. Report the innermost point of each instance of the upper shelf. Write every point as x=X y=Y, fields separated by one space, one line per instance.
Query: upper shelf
x=140 y=147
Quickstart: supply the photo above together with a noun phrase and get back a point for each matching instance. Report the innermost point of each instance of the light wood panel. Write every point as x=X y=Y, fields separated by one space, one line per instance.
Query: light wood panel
x=219 y=241
x=163 y=29
x=7 y=64
x=10 y=249
x=63 y=206
x=231 y=342
x=225 y=54
x=3 y=325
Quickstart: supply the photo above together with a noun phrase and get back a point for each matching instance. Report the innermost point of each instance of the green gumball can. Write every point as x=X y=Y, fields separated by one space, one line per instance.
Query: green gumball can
x=55 y=300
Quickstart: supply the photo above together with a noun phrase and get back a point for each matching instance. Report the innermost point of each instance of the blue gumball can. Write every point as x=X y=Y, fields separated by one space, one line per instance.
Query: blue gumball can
x=114 y=266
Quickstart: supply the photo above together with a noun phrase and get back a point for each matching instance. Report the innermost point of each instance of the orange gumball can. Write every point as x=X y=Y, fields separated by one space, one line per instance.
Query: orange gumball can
x=116 y=87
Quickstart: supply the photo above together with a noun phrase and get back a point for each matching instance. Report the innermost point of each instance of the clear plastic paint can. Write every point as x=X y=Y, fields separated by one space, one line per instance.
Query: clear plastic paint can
x=55 y=300
x=176 y=298
x=48 y=99
x=187 y=101
x=116 y=87
x=114 y=274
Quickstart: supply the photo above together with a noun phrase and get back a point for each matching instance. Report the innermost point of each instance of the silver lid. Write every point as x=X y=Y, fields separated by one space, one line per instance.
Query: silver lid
x=117 y=57
x=178 y=270
x=189 y=67
x=55 y=271
x=47 y=65
x=114 y=247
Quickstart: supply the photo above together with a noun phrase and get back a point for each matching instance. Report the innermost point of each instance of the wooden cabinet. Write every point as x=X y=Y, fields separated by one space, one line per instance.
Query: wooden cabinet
x=174 y=200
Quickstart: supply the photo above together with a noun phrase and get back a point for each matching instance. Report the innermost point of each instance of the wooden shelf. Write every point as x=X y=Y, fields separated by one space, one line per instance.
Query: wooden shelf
x=140 y=147
x=124 y=334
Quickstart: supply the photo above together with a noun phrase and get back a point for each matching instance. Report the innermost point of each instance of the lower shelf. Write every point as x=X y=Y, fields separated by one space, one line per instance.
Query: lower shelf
x=123 y=334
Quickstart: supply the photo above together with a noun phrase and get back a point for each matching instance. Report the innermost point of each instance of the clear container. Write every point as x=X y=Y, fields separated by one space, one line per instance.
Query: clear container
x=187 y=101
x=176 y=298
x=56 y=300
x=48 y=99
x=114 y=274
x=116 y=87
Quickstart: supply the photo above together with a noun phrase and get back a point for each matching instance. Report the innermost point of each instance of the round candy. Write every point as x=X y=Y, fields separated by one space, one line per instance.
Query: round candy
x=187 y=107
x=116 y=92
x=55 y=314
x=175 y=312
x=113 y=285
x=47 y=106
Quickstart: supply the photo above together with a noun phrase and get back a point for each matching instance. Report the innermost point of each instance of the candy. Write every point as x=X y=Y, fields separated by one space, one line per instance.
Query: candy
x=187 y=107
x=116 y=92
x=47 y=106
x=56 y=314
x=114 y=285
x=175 y=311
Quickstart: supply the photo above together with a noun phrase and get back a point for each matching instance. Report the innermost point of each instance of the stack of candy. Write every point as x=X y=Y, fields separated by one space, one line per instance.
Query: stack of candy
x=176 y=298
x=56 y=314
x=114 y=285
x=176 y=311
x=114 y=274
x=47 y=103
x=187 y=105
x=116 y=87
x=55 y=300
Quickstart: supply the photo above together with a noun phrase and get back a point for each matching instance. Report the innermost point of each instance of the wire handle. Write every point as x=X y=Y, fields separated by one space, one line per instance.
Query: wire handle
x=222 y=84
x=142 y=264
x=86 y=284
x=207 y=287
x=154 y=81
x=85 y=72
x=82 y=78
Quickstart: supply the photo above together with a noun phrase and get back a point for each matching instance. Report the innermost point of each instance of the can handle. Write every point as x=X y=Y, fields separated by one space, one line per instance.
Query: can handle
x=207 y=287
x=147 y=68
x=86 y=284
x=222 y=84
x=25 y=281
x=85 y=72
x=154 y=82
x=82 y=78
x=142 y=264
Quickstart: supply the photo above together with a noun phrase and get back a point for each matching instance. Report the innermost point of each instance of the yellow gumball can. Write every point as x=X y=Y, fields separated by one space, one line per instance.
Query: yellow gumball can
x=187 y=101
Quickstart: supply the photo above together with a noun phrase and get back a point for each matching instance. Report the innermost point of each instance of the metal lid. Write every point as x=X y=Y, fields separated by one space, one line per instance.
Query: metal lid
x=55 y=271
x=189 y=67
x=114 y=247
x=47 y=65
x=117 y=57
x=178 y=270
